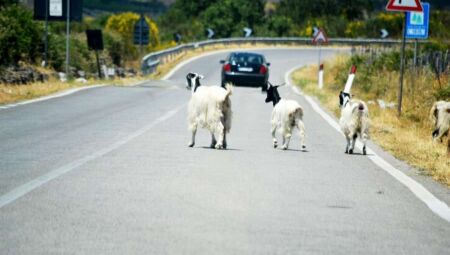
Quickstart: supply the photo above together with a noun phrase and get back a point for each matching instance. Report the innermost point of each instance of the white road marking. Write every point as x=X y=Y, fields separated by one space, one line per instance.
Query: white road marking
x=437 y=206
x=61 y=94
x=24 y=189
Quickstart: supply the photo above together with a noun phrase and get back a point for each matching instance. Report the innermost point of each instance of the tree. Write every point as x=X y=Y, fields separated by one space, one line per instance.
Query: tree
x=234 y=15
x=19 y=35
x=4 y=3
x=124 y=23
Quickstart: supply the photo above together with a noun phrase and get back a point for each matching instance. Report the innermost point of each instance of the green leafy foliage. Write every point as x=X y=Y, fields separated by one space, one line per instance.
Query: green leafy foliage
x=19 y=35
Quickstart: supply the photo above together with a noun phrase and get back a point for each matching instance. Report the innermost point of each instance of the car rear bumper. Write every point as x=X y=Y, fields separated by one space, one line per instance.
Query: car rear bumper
x=255 y=80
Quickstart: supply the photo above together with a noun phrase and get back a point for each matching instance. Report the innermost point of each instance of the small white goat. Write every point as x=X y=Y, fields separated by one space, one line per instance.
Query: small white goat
x=286 y=115
x=354 y=121
x=210 y=108
x=440 y=114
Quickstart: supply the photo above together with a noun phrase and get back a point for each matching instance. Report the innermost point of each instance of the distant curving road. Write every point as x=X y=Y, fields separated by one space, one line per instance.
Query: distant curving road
x=108 y=171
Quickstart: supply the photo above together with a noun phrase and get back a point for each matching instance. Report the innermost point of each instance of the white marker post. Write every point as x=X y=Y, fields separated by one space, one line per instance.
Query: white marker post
x=321 y=76
x=351 y=77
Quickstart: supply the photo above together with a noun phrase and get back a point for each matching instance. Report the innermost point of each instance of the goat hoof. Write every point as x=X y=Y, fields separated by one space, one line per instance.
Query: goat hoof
x=191 y=144
x=346 y=151
x=364 y=151
x=350 y=151
x=284 y=148
x=303 y=147
x=219 y=146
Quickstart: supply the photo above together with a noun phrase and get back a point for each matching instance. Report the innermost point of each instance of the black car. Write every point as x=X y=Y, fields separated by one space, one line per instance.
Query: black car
x=246 y=69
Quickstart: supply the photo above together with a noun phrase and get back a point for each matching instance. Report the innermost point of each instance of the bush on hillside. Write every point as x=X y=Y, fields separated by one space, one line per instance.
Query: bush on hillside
x=20 y=36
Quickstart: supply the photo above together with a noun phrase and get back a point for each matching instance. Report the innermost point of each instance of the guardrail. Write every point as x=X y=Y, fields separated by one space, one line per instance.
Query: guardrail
x=151 y=61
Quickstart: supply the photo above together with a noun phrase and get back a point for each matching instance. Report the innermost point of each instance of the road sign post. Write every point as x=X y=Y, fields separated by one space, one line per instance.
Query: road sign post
x=403 y=6
x=141 y=33
x=402 y=70
x=319 y=37
x=417 y=23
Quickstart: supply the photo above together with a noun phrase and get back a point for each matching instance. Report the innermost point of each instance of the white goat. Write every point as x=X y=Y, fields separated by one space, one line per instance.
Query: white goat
x=440 y=114
x=286 y=115
x=354 y=121
x=210 y=108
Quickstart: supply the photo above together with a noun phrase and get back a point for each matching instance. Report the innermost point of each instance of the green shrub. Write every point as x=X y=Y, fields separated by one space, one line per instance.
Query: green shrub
x=20 y=36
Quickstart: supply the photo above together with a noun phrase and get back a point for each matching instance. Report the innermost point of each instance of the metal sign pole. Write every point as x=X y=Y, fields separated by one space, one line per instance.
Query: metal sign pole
x=46 y=34
x=140 y=35
x=67 y=39
x=415 y=53
x=402 y=67
x=98 y=65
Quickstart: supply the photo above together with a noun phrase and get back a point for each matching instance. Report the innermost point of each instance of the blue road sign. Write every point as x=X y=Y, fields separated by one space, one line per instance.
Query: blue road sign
x=417 y=23
x=141 y=32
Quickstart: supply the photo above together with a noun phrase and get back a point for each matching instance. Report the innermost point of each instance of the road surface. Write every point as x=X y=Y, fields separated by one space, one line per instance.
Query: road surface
x=108 y=171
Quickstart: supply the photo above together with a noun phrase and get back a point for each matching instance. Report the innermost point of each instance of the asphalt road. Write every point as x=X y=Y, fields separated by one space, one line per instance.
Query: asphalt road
x=108 y=171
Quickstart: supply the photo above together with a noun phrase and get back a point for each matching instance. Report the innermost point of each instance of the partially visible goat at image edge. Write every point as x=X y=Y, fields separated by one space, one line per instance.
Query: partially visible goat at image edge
x=440 y=114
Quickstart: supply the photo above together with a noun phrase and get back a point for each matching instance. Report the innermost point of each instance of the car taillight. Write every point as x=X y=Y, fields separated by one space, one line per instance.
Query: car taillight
x=227 y=68
x=263 y=69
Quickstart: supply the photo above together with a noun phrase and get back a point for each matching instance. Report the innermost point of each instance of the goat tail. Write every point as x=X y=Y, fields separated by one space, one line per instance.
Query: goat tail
x=229 y=88
x=299 y=113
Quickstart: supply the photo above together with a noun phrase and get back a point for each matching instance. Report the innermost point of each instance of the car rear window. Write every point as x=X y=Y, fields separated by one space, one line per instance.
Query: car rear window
x=247 y=58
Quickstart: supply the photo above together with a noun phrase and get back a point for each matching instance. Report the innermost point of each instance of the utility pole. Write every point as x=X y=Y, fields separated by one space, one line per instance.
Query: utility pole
x=46 y=34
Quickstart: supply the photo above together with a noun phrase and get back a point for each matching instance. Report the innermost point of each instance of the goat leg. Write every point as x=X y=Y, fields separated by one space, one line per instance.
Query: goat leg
x=194 y=131
x=301 y=128
x=352 y=143
x=286 y=140
x=274 y=138
x=225 y=140
x=348 y=144
x=213 y=141
x=220 y=133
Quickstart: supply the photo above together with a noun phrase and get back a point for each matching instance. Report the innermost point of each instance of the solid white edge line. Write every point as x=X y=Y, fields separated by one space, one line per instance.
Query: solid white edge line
x=437 y=206
x=24 y=189
x=60 y=94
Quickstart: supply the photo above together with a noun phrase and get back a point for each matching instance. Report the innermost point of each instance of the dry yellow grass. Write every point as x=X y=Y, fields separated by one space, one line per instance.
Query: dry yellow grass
x=15 y=93
x=408 y=137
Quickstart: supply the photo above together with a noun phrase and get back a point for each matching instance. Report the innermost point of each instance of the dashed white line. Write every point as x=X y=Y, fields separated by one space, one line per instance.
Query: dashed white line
x=24 y=189
x=437 y=206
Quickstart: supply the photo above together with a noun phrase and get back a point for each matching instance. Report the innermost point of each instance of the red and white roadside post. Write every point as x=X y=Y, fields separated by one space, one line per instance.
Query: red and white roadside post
x=321 y=76
x=318 y=39
x=351 y=77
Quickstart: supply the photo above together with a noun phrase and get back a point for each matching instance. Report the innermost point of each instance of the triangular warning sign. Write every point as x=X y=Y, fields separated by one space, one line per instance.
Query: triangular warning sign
x=320 y=37
x=404 y=6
